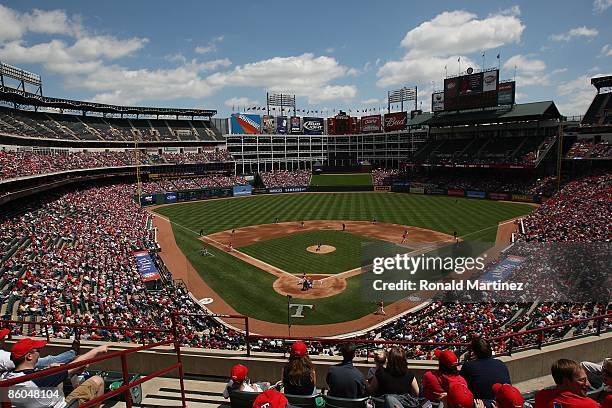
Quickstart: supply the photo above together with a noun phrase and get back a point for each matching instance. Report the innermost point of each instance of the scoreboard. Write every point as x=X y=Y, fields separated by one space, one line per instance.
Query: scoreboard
x=470 y=91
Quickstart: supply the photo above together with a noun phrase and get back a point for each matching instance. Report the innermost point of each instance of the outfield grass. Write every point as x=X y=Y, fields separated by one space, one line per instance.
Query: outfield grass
x=289 y=253
x=358 y=179
x=249 y=290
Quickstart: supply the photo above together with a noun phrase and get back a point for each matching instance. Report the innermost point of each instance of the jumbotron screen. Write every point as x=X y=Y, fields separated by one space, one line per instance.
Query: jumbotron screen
x=471 y=91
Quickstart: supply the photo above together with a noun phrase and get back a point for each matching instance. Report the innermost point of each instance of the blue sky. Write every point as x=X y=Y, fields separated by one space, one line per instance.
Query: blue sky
x=332 y=55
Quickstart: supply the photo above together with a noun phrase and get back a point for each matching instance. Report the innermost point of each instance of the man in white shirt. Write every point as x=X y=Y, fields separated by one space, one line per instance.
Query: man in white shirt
x=6 y=364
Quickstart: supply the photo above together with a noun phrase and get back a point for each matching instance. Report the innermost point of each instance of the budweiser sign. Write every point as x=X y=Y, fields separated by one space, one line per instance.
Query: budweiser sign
x=396 y=121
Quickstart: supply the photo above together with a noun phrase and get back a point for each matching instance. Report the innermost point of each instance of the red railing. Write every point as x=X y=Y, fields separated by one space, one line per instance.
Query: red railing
x=175 y=332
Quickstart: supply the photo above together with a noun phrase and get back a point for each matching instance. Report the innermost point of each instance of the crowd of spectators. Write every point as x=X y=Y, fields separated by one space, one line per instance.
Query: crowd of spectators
x=583 y=149
x=285 y=178
x=26 y=163
x=580 y=212
x=208 y=181
x=70 y=259
x=384 y=177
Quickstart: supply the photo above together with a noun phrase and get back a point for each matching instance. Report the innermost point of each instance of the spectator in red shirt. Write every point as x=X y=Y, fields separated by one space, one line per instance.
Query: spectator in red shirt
x=436 y=383
x=571 y=389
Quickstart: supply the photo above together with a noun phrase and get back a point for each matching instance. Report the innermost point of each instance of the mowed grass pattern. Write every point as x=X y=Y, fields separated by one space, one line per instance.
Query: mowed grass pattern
x=360 y=179
x=289 y=253
x=249 y=290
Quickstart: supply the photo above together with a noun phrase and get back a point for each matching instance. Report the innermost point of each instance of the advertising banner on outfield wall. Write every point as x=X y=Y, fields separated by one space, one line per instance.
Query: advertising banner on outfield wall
x=435 y=190
x=146 y=267
x=499 y=196
x=417 y=190
x=437 y=102
x=148 y=199
x=313 y=126
x=295 y=124
x=281 y=125
x=240 y=191
x=268 y=125
x=245 y=124
x=476 y=194
x=370 y=124
x=455 y=192
x=382 y=188
x=395 y=121
x=522 y=197
x=170 y=197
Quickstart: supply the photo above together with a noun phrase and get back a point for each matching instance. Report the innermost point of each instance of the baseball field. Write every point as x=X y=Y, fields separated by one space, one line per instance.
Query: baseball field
x=257 y=248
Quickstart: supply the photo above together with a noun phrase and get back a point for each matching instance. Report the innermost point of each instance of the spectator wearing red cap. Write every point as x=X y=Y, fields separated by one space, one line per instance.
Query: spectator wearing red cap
x=571 y=388
x=507 y=396
x=395 y=382
x=26 y=353
x=459 y=396
x=484 y=371
x=6 y=364
x=299 y=377
x=270 y=399
x=239 y=381
x=436 y=383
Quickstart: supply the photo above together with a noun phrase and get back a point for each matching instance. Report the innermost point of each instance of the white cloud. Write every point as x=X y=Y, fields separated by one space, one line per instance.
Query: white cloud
x=14 y=25
x=241 y=101
x=606 y=51
x=461 y=32
x=370 y=101
x=599 y=6
x=529 y=71
x=576 y=95
x=304 y=75
x=210 y=47
x=574 y=33
x=419 y=70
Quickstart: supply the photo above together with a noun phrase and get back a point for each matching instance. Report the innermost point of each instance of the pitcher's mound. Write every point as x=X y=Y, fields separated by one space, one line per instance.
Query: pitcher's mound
x=325 y=249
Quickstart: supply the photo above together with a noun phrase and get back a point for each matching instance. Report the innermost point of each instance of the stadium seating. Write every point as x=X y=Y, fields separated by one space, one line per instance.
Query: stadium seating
x=285 y=178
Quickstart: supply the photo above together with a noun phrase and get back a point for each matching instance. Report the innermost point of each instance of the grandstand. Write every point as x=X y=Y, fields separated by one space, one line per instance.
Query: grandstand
x=75 y=177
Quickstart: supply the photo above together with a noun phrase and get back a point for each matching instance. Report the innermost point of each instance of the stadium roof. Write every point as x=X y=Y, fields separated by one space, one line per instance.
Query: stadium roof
x=524 y=111
x=602 y=82
x=26 y=98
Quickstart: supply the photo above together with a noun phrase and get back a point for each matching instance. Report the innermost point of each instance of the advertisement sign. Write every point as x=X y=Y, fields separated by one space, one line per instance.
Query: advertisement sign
x=437 y=102
x=499 y=196
x=455 y=192
x=522 y=197
x=471 y=84
x=451 y=88
x=370 y=124
x=281 y=125
x=286 y=190
x=239 y=191
x=417 y=190
x=382 y=188
x=313 y=126
x=506 y=93
x=146 y=267
x=170 y=197
x=395 y=121
x=476 y=194
x=436 y=190
x=503 y=269
x=489 y=83
x=268 y=125
x=296 y=125
x=245 y=124
x=148 y=199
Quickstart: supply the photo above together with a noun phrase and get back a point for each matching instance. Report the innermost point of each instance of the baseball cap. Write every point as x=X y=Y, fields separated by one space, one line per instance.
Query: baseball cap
x=24 y=346
x=4 y=333
x=270 y=399
x=239 y=372
x=507 y=396
x=447 y=358
x=459 y=396
x=299 y=349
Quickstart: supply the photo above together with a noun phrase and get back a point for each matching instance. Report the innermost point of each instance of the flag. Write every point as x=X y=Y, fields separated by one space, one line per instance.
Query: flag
x=459 y=59
x=497 y=56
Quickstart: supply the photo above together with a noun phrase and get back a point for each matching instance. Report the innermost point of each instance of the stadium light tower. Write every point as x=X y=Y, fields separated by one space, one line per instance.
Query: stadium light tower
x=23 y=76
x=281 y=100
x=401 y=95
